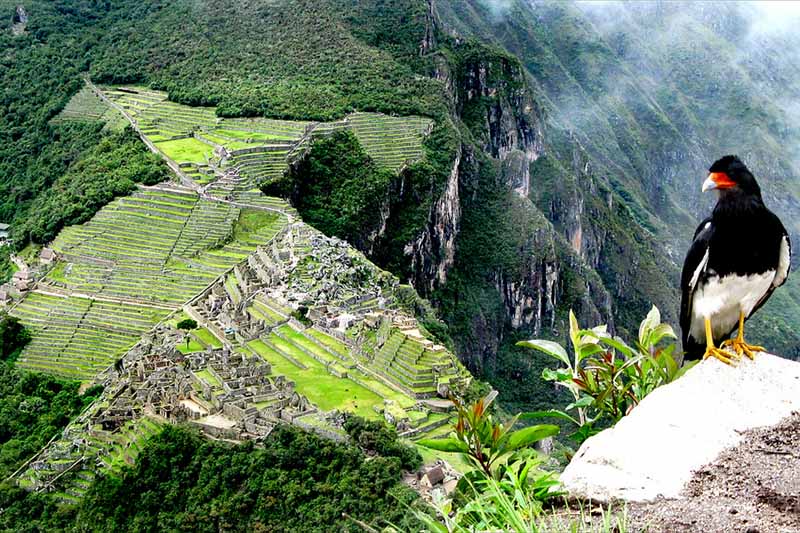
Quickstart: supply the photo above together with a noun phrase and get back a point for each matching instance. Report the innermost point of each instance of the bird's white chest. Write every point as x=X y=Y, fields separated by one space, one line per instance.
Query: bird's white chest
x=721 y=300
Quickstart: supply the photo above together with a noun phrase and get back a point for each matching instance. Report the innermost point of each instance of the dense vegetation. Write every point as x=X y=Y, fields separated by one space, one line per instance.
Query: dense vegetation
x=108 y=169
x=40 y=72
x=13 y=337
x=338 y=188
x=33 y=408
x=377 y=438
x=6 y=266
x=184 y=482
x=302 y=60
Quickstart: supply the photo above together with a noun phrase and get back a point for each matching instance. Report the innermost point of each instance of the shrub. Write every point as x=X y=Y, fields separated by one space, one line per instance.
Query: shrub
x=378 y=438
x=606 y=377
x=338 y=188
x=482 y=440
x=13 y=337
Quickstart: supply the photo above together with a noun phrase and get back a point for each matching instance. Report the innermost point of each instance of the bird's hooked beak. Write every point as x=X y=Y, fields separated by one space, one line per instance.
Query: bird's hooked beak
x=718 y=180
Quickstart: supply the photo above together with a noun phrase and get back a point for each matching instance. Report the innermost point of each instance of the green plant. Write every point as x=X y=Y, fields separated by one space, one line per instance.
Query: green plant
x=13 y=337
x=483 y=441
x=498 y=509
x=377 y=438
x=187 y=325
x=301 y=315
x=605 y=376
x=33 y=408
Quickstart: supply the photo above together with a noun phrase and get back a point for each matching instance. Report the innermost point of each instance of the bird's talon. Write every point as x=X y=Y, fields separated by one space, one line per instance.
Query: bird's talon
x=721 y=355
x=742 y=348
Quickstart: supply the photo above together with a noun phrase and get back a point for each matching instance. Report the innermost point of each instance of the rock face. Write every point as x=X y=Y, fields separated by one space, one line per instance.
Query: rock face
x=681 y=427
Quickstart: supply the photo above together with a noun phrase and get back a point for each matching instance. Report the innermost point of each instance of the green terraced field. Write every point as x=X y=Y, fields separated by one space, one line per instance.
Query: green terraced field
x=148 y=253
x=158 y=245
x=390 y=141
x=259 y=146
x=77 y=337
x=86 y=105
x=256 y=136
x=333 y=344
x=209 y=378
x=320 y=387
x=188 y=150
x=207 y=338
x=113 y=450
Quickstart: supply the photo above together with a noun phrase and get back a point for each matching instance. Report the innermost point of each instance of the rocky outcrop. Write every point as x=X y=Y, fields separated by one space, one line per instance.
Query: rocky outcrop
x=495 y=101
x=682 y=426
x=19 y=21
x=433 y=252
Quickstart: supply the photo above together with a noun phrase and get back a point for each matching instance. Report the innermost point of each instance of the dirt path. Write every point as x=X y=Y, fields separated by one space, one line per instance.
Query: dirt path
x=753 y=488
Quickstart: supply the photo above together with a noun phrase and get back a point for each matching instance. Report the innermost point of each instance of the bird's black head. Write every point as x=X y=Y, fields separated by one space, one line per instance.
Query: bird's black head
x=729 y=175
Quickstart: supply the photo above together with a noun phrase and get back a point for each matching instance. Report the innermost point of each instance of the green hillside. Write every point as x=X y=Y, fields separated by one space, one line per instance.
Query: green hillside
x=258 y=219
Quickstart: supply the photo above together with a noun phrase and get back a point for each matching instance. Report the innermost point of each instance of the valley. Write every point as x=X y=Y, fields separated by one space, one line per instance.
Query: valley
x=254 y=254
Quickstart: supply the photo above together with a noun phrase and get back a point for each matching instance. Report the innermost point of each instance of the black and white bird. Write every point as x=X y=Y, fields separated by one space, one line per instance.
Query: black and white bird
x=739 y=256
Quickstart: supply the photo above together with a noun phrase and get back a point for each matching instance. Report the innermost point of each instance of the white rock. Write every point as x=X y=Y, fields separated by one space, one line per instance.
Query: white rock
x=682 y=426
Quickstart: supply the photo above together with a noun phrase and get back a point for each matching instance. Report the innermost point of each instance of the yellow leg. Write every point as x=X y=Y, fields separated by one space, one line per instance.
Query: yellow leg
x=739 y=345
x=712 y=351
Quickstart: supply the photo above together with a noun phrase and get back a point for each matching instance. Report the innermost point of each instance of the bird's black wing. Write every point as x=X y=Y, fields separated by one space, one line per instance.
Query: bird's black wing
x=782 y=270
x=693 y=266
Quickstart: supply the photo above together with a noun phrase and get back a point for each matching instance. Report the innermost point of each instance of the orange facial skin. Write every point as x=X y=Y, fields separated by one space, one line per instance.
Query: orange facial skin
x=721 y=180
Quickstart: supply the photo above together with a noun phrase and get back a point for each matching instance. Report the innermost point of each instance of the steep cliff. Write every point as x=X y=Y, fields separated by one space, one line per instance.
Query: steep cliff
x=637 y=100
x=540 y=232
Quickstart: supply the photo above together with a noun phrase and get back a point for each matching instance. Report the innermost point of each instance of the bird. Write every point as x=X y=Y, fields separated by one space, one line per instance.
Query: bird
x=738 y=257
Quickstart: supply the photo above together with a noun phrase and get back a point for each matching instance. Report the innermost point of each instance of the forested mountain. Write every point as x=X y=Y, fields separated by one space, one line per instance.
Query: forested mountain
x=562 y=173
x=454 y=176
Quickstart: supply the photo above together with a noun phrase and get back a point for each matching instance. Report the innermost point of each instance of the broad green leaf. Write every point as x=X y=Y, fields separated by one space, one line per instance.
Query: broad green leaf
x=504 y=432
x=591 y=336
x=549 y=413
x=551 y=348
x=558 y=375
x=563 y=374
x=670 y=364
x=585 y=401
x=436 y=526
x=527 y=436
x=618 y=344
x=652 y=319
x=587 y=350
x=659 y=332
x=573 y=328
x=444 y=445
x=583 y=433
x=548 y=374
x=600 y=331
x=685 y=368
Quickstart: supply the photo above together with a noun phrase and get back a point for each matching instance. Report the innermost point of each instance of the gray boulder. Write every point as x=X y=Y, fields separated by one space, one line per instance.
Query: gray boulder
x=682 y=426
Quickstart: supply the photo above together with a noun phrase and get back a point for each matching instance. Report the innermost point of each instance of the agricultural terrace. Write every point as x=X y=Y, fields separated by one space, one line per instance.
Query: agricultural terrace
x=252 y=307
x=86 y=105
x=322 y=369
x=391 y=141
x=112 y=451
x=256 y=149
x=138 y=259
